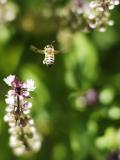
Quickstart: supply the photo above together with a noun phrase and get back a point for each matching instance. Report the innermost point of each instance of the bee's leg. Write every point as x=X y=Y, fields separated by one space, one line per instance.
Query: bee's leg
x=44 y=61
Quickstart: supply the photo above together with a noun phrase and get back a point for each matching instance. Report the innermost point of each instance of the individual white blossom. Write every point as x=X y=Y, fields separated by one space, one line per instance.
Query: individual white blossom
x=9 y=80
x=30 y=85
x=10 y=100
x=9 y=108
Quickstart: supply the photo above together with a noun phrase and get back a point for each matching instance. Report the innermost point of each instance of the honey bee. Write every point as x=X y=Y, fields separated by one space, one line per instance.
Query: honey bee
x=49 y=53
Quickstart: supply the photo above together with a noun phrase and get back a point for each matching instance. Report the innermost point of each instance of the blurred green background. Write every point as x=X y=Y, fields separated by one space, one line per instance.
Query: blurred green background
x=76 y=105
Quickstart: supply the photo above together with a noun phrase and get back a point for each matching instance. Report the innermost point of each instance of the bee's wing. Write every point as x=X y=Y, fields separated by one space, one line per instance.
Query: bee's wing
x=57 y=52
x=35 y=49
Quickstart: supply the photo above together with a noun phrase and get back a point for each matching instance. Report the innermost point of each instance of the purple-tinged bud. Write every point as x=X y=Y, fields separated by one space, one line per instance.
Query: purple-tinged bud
x=91 y=97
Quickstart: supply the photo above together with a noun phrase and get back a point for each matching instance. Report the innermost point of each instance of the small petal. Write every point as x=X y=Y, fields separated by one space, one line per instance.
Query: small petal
x=11 y=92
x=9 y=80
x=110 y=22
x=10 y=100
x=91 y=16
x=30 y=85
x=33 y=129
x=37 y=145
x=27 y=105
x=26 y=94
x=117 y=2
x=102 y=29
x=24 y=85
x=19 y=150
x=12 y=124
x=9 y=108
x=13 y=141
x=31 y=122
x=6 y=118
x=9 y=117
x=92 y=4
x=26 y=111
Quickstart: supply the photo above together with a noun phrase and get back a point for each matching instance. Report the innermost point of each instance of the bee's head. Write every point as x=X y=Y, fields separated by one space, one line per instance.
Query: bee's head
x=49 y=46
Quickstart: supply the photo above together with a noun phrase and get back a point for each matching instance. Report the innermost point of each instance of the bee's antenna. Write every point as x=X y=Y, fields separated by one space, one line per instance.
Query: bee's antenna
x=52 y=42
x=32 y=47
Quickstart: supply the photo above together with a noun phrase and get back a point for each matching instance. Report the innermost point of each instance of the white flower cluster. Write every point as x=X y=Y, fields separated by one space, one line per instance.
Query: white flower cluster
x=100 y=14
x=23 y=135
x=105 y=4
x=94 y=14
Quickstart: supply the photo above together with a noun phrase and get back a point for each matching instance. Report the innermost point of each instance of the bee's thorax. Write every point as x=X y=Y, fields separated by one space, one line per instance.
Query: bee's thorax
x=49 y=50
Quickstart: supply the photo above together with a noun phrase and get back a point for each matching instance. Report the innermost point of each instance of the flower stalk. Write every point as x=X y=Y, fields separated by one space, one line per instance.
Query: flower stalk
x=23 y=134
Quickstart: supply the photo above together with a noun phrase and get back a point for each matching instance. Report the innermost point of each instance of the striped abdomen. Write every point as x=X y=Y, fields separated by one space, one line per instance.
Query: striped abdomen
x=49 y=59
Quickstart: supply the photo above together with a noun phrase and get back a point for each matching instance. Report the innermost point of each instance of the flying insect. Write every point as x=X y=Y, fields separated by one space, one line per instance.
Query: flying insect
x=49 y=53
